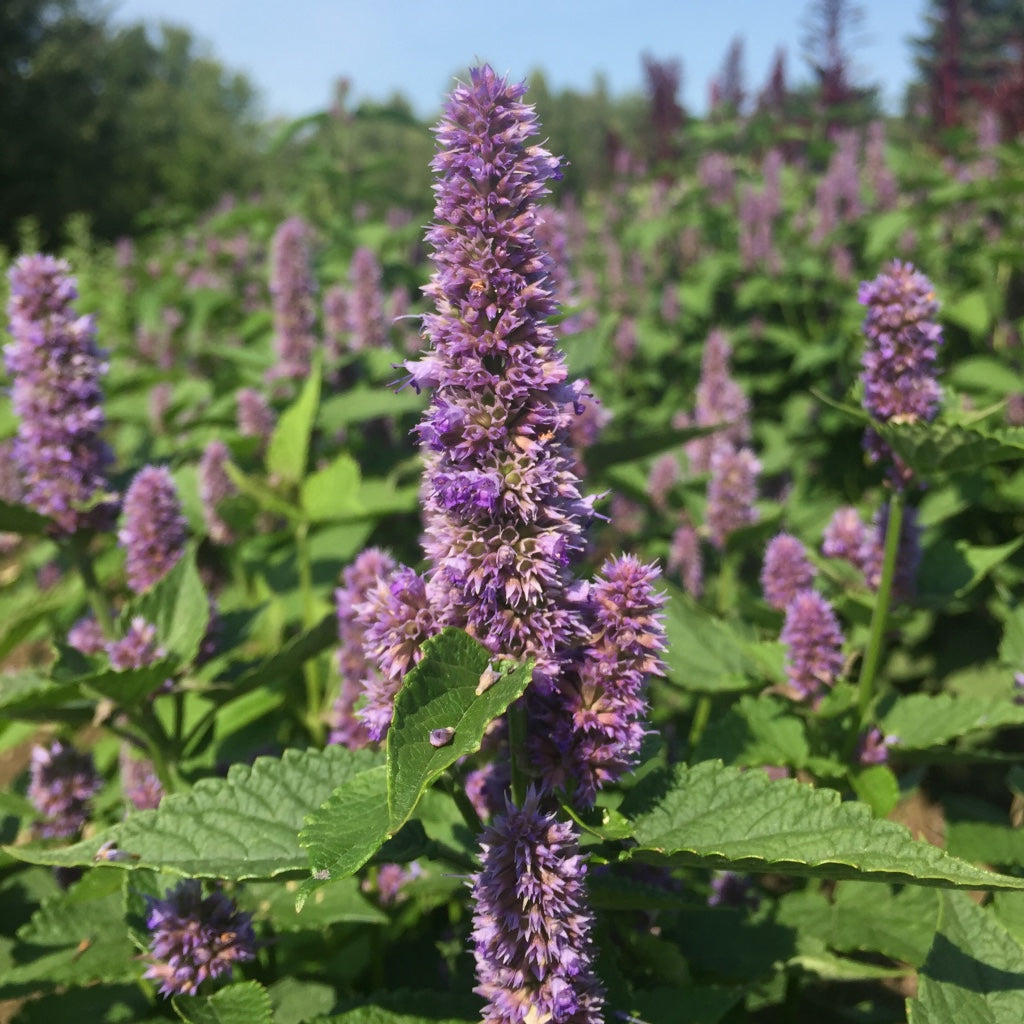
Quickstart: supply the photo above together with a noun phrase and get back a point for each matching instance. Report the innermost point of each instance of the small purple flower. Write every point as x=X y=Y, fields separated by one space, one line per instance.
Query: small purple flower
x=663 y=475
x=366 y=303
x=720 y=401
x=195 y=938
x=908 y=553
x=899 y=358
x=56 y=367
x=732 y=491
x=62 y=782
x=531 y=925
x=1018 y=687
x=139 y=783
x=487 y=786
x=845 y=535
x=684 y=558
x=731 y=889
x=292 y=288
x=814 y=658
x=214 y=486
x=152 y=528
x=873 y=747
x=786 y=570
x=137 y=648
x=86 y=635
x=391 y=881
x=254 y=415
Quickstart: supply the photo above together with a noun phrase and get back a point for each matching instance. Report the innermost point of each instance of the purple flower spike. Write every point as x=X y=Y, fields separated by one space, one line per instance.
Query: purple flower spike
x=786 y=570
x=531 y=926
x=814 y=640
x=292 y=288
x=195 y=938
x=899 y=358
x=720 y=400
x=732 y=491
x=139 y=783
x=152 y=528
x=62 y=782
x=503 y=512
x=873 y=747
x=255 y=417
x=684 y=558
x=366 y=303
x=214 y=486
x=137 y=648
x=86 y=635
x=845 y=536
x=56 y=368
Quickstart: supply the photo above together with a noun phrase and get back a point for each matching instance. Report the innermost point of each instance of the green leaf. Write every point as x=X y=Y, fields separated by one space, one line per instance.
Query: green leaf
x=969 y=311
x=705 y=654
x=953 y=570
x=704 y=1005
x=246 y=1002
x=332 y=904
x=900 y=927
x=21 y=612
x=27 y=694
x=361 y=403
x=405 y=1007
x=441 y=692
x=756 y=731
x=179 y=608
x=288 y=451
x=242 y=827
x=603 y=454
x=714 y=816
x=923 y=721
x=974 y=972
x=930 y=448
x=878 y=787
x=333 y=492
x=265 y=496
x=296 y=1001
x=284 y=663
x=22 y=520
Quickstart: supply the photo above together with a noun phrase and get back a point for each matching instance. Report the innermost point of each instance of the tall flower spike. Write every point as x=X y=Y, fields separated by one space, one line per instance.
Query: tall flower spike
x=814 y=641
x=899 y=358
x=62 y=782
x=292 y=288
x=531 y=927
x=786 y=570
x=719 y=400
x=195 y=938
x=152 y=528
x=732 y=491
x=503 y=511
x=56 y=368
x=214 y=486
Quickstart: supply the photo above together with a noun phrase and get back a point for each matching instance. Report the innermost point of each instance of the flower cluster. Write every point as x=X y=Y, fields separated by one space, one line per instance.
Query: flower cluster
x=254 y=416
x=152 y=528
x=195 y=938
x=214 y=486
x=139 y=783
x=732 y=491
x=56 y=367
x=292 y=287
x=531 y=927
x=62 y=781
x=786 y=570
x=899 y=358
x=814 y=642
x=137 y=648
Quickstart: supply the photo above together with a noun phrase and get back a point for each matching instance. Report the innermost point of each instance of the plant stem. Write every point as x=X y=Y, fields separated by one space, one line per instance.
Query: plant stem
x=97 y=599
x=700 y=720
x=310 y=668
x=873 y=653
x=464 y=804
x=516 y=741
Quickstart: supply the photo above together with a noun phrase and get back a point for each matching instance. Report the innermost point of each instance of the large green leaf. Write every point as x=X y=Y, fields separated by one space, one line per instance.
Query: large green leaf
x=242 y=827
x=288 y=450
x=974 y=972
x=953 y=570
x=716 y=816
x=930 y=448
x=333 y=492
x=246 y=1002
x=756 y=731
x=921 y=721
x=440 y=693
x=21 y=519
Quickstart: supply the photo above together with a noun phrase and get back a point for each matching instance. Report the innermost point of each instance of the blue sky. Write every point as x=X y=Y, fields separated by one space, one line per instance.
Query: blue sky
x=294 y=51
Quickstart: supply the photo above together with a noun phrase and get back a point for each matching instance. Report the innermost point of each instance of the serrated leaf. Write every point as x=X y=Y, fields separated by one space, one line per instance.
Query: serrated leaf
x=288 y=450
x=406 y=1007
x=264 y=495
x=97 y=1004
x=332 y=904
x=242 y=827
x=441 y=693
x=246 y=1002
x=756 y=731
x=930 y=448
x=715 y=816
x=876 y=786
x=332 y=492
x=953 y=570
x=704 y=1005
x=900 y=927
x=974 y=971
x=921 y=721
x=130 y=685
x=27 y=694
x=705 y=654
x=179 y=608
x=295 y=1001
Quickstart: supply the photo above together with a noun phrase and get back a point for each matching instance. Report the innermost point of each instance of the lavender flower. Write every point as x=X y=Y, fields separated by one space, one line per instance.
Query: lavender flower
x=391 y=881
x=814 y=640
x=86 y=635
x=214 y=486
x=908 y=553
x=730 y=889
x=503 y=513
x=590 y=733
x=10 y=491
x=337 y=339
x=732 y=491
x=137 y=648
x=663 y=475
x=56 y=368
x=899 y=358
x=255 y=417
x=684 y=558
x=152 y=528
x=62 y=781
x=786 y=570
x=366 y=303
x=845 y=535
x=195 y=938
x=531 y=927
x=487 y=787
x=873 y=747
x=721 y=401
x=139 y=783
x=292 y=288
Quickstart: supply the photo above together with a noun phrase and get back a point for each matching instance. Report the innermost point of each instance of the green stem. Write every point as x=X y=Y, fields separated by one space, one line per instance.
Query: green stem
x=516 y=742
x=464 y=804
x=700 y=721
x=880 y=614
x=97 y=599
x=311 y=668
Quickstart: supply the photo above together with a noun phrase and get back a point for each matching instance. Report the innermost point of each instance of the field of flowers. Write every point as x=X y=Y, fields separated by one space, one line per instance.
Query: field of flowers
x=598 y=611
